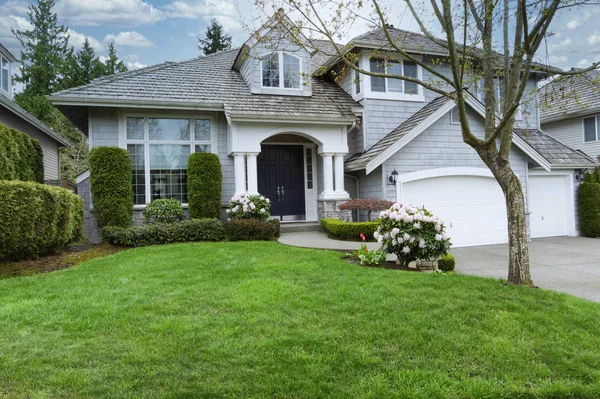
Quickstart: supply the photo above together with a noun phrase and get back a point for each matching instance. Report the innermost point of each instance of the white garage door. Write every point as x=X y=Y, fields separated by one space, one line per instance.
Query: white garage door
x=472 y=207
x=548 y=205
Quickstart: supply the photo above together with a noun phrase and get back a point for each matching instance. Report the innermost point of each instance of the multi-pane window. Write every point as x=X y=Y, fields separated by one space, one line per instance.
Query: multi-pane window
x=4 y=75
x=591 y=128
x=309 y=169
x=277 y=65
x=159 y=149
x=392 y=85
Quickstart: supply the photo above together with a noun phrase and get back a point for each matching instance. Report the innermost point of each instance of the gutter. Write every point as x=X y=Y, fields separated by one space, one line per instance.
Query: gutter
x=133 y=103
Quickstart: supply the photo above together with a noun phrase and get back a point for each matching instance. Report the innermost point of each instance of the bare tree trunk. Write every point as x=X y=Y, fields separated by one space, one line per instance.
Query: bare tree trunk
x=518 y=248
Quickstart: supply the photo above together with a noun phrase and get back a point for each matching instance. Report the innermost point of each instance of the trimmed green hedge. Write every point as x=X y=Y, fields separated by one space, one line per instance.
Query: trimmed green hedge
x=165 y=233
x=251 y=229
x=204 y=178
x=447 y=263
x=21 y=157
x=589 y=209
x=110 y=184
x=36 y=219
x=349 y=230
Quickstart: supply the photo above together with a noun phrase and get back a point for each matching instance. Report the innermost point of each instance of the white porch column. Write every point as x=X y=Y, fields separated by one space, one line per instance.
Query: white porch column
x=340 y=192
x=328 y=192
x=239 y=165
x=252 y=172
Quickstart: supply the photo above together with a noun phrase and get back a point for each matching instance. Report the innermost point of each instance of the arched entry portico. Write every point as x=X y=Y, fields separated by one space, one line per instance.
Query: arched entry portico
x=283 y=164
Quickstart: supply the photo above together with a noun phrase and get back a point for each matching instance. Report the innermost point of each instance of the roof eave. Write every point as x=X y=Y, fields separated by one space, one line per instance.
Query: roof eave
x=292 y=118
x=558 y=118
x=133 y=103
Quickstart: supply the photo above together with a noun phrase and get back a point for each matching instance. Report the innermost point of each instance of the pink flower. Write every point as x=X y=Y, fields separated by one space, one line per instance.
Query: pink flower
x=362 y=237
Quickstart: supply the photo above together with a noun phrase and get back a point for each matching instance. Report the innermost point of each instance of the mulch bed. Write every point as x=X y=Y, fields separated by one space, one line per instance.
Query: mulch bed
x=386 y=265
x=72 y=255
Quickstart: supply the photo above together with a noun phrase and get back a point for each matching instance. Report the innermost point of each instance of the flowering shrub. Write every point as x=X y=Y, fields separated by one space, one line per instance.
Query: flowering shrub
x=373 y=257
x=412 y=233
x=366 y=204
x=249 y=206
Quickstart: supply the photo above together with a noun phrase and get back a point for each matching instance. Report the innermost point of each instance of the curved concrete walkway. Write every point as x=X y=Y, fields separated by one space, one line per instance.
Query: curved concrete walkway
x=564 y=264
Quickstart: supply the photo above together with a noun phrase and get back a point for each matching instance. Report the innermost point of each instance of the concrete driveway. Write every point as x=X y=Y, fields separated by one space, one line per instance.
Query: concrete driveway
x=564 y=264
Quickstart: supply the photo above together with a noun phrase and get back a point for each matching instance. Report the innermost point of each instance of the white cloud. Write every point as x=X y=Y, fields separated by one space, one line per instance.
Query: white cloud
x=135 y=65
x=555 y=59
x=129 y=39
x=583 y=62
x=593 y=40
x=14 y=7
x=199 y=8
x=114 y=12
x=77 y=39
x=554 y=47
x=574 y=24
x=6 y=36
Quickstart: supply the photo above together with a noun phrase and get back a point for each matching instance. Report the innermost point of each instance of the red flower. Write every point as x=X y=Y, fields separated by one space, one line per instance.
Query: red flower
x=362 y=237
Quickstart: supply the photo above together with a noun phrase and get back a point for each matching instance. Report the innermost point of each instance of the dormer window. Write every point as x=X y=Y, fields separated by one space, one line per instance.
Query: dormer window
x=392 y=85
x=278 y=64
x=4 y=74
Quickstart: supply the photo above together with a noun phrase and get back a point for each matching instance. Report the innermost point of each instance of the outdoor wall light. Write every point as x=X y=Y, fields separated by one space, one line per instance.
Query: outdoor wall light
x=393 y=177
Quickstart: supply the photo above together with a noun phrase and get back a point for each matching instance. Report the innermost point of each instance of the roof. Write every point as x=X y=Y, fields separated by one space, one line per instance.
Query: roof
x=7 y=54
x=10 y=105
x=405 y=39
x=570 y=96
x=555 y=152
x=407 y=130
x=210 y=81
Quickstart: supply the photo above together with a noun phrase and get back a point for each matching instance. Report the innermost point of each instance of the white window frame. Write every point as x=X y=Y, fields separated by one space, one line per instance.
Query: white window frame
x=9 y=83
x=596 y=120
x=387 y=95
x=124 y=141
x=281 y=86
x=452 y=120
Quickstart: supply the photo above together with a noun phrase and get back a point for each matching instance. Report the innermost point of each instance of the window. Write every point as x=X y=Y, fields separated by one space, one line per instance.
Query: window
x=309 y=169
x=4 y=75
x=591 y=128
x=392 y=85
x=356 y=79
x=159 y=149
x=277 y=65
x=454 y=117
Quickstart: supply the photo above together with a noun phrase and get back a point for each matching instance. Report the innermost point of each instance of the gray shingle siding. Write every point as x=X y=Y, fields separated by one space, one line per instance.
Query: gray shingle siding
x=104 y=129
x=570 y=132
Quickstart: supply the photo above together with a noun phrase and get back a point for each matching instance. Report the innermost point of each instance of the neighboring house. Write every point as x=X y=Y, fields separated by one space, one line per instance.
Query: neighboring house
x=571 y=111
x=17 y=118
x=311 y=142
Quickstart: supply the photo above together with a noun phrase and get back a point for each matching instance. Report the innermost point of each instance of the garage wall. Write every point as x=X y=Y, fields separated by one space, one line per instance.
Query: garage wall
x=440 y=146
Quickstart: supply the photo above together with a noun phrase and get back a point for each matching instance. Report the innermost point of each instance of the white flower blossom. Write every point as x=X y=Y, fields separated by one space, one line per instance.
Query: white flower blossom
x=422 y=244
x=406 y=250
x=268 y=201
x=262 y=210
x=438 y=237
x=406 y=236
x=417 y=225
x=252 y=206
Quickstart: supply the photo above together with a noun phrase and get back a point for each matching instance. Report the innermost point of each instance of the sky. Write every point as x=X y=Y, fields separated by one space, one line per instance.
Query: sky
x=148 y=32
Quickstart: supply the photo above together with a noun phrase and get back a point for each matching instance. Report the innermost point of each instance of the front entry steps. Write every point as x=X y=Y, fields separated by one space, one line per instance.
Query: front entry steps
x=299 y=227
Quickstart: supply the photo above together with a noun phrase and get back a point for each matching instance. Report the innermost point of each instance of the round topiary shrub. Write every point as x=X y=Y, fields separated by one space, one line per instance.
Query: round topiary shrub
x=447 y=263
x=110 y=184
x=249 y=206
x=204 y=179
x=165 y=210
x=412 y=233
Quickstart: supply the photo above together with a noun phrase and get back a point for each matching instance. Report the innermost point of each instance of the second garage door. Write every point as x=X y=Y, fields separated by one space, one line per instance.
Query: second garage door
x=472 y=207
x=548 y=205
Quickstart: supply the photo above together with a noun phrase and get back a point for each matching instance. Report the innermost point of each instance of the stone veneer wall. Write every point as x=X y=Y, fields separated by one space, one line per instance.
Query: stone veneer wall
x=329 y=209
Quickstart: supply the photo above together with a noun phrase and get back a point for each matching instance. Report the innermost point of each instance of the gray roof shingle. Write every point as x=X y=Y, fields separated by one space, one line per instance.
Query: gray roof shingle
x=403 y=38
x=211 y=80
x=570 y=96
x=555 y=152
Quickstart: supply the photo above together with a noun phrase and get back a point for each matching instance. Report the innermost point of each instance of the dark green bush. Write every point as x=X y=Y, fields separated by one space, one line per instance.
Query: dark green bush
x=349 y=230
x=589 y=209
x=21 y=157
x=110 y=183
x=165 y=210
x=165 y=233
x=447 y=263
x=251 y=230
x=204 y=179
x=36 y=219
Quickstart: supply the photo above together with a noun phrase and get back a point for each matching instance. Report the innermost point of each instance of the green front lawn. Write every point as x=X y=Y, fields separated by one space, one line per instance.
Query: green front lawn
x=264 y=320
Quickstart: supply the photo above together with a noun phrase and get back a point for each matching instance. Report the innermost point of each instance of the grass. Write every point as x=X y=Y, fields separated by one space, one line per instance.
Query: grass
x=264 y=320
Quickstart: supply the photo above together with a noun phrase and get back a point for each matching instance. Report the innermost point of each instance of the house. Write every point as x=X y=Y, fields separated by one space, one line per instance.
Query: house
x=571 y=111
x=17 y=118
x=283 y=126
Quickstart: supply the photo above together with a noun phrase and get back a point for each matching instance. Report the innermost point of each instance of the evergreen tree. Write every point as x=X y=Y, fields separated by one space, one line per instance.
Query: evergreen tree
x=112 y=63
x=216 y=39
x=45 y=49
x=88 y=64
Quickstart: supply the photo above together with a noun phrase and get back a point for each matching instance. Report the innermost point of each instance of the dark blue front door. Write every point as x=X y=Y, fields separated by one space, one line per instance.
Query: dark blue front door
x=281 y=178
